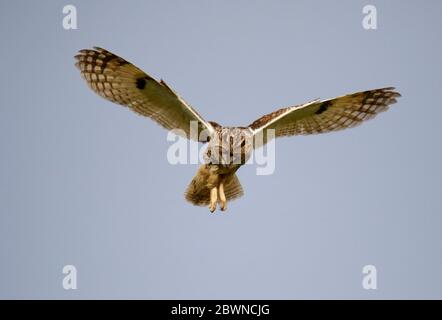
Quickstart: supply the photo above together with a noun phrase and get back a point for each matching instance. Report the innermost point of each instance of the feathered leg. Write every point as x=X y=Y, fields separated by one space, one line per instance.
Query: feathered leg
x=222 y=197
x=213 y=199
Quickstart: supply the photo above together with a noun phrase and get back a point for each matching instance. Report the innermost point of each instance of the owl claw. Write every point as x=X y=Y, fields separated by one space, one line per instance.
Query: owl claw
x=217 y=194
x=222 y=197
x=213 y=199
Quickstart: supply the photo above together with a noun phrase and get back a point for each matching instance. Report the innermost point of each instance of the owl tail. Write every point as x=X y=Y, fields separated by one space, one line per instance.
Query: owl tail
x=198 y=192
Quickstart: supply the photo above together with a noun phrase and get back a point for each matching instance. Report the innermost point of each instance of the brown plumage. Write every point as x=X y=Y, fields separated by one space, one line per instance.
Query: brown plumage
x=229 y=148
x=198 y=191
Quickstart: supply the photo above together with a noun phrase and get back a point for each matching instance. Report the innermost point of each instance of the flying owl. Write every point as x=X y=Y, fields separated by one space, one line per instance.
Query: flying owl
x=119 y=81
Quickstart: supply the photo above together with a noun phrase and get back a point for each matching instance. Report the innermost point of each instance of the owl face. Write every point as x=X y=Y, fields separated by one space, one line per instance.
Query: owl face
x=230 y=145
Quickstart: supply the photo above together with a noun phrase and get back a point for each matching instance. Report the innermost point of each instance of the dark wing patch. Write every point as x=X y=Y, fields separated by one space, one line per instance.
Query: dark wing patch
x=323 y=107
x=141 y=83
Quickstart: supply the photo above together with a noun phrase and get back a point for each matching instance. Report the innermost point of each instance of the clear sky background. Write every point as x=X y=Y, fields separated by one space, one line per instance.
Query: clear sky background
x=87 y=182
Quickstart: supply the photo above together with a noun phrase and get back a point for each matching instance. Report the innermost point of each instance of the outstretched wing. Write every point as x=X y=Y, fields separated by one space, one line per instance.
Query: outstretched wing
x=326 y=115
x=119 y=81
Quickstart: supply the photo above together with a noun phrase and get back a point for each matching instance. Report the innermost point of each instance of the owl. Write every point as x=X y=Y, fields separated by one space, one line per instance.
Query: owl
x=228 y=148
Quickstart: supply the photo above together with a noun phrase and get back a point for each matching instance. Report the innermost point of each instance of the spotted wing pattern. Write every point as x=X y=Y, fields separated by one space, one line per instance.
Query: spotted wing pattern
x=326 y=115
x=119 y=81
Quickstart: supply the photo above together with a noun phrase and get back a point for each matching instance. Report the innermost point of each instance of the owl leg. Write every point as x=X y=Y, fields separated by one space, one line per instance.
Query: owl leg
x=213 y=199
x=222 y=197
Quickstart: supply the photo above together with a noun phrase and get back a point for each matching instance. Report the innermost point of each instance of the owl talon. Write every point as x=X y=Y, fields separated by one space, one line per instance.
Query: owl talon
x=213 y=199
x=222 y=197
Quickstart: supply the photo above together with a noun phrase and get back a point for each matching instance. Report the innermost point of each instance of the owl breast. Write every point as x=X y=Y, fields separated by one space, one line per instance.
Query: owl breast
x=229 y=147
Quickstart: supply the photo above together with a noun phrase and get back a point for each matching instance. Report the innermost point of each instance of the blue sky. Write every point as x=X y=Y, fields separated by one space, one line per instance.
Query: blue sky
x=86 y=182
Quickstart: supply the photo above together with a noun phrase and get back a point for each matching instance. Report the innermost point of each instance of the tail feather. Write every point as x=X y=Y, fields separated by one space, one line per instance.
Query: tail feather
x=233 y=188
x=198 y=191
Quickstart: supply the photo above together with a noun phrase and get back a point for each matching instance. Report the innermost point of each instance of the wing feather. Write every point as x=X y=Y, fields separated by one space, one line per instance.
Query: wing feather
x=320 y=116
x=119 y=81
